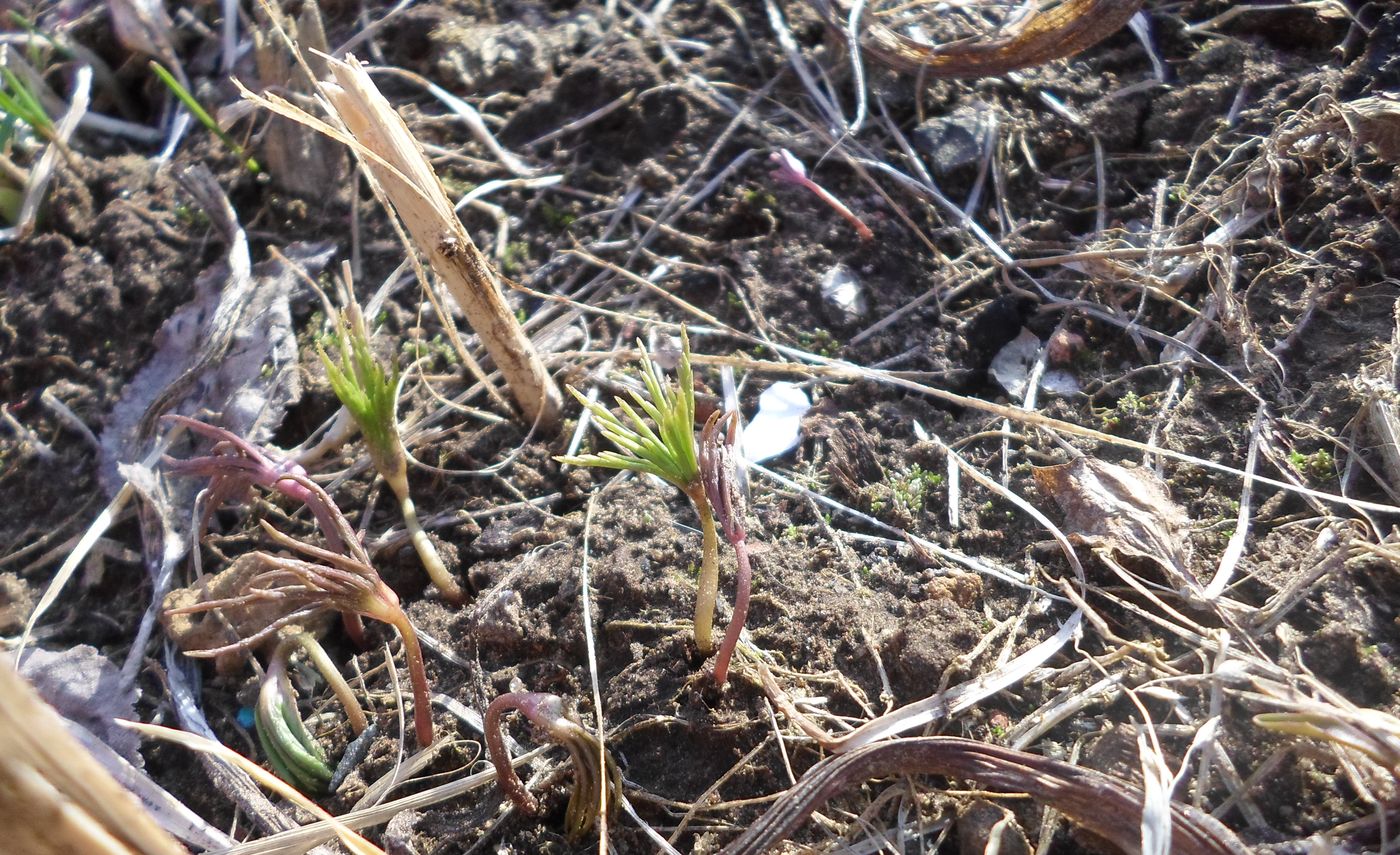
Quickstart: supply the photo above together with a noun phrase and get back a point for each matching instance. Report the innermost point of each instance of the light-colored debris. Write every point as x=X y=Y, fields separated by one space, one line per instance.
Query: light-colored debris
x=843 y=296
x=1016 y=363
x=1127 y=512
x=777 y=426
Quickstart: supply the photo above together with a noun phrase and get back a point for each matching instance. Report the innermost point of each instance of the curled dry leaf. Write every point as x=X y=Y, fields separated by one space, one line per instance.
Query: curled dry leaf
x=1048 y=33
x=86 y=688
x=194 y=631
x=1127 y=512
x=1106 y=806
x=1375 y=122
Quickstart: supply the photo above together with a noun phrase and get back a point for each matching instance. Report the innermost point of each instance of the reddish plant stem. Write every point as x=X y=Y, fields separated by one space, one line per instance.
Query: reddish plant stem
x=506 y=778
x=743 y=578
x=418 y=677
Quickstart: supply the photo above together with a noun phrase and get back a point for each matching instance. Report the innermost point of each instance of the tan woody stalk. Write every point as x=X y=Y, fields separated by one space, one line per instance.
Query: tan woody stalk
x=418 y=196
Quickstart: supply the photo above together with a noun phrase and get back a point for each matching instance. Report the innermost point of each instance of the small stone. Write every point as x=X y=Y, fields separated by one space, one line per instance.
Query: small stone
x=955 y=142
x=843 y=296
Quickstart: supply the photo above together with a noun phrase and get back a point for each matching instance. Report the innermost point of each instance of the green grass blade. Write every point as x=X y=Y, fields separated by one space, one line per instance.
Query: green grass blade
x=198 y=111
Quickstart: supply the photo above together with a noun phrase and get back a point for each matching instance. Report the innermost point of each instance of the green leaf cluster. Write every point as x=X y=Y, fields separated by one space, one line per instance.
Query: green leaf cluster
x=665 y=447
x=19 y=104
x=365 y=387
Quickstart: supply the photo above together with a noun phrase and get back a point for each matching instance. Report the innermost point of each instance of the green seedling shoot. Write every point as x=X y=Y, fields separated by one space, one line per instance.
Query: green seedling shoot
x=370 y=393
x=668 y=452
x=19 y=105
x=292 y=752
x=197 y=110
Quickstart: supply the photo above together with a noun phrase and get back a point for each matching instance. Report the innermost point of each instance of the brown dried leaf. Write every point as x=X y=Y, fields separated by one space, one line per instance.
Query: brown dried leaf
x=1375 y=121
x=1126 y=511
x=205 y=630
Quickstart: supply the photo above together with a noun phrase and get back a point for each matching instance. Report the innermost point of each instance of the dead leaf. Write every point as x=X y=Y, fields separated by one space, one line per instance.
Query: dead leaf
x=205 y=630
x=86 y=688
x=1126 y=511
x=54 y=797
x=1375 y=121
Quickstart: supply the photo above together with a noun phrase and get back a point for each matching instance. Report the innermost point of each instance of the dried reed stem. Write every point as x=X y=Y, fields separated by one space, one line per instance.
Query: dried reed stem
x=409 y=181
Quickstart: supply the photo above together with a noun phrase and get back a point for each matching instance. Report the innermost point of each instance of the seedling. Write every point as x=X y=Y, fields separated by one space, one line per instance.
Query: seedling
x=557 y=723
x=19 y=105
x=329 y=581
x=668 y=452
x=717 y=469
x=789 y=169
x=291 y=751
x=234 y=465
x=197 y=110
x=370 y=393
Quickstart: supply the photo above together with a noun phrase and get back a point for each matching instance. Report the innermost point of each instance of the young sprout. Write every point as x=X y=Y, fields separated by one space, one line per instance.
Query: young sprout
x=668 y=452
x=717 y=470
x=371 y=393
x=234 y=465
x=19 y=105
x=791 y=170
x=557 y=723
x=329 y=581
x=292 y=752
x=180 y=91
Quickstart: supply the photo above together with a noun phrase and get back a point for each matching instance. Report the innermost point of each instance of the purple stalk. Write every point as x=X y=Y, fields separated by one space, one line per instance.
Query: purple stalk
x=717 y=472
x=235 y=465
x=540 y=708
x=791 y=170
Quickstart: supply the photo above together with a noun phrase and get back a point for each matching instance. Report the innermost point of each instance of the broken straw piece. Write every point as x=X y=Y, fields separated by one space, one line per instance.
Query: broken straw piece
x=396 y=159
x=777 y=427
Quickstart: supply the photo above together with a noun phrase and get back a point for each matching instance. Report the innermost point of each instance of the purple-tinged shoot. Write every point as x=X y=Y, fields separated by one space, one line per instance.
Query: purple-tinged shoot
x=234 y=465
x=787 y=168
x=555 y=722
x=327 y=581
x=719 y=474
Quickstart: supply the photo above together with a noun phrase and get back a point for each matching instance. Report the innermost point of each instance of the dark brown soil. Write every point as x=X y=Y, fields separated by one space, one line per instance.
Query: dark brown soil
x=849 y=614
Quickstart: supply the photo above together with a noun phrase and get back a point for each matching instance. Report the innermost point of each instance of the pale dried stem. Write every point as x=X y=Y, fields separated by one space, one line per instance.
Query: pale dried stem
x=420 y=200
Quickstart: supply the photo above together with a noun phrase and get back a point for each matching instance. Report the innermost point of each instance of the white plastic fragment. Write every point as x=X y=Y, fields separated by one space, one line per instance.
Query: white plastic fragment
x=776 y=428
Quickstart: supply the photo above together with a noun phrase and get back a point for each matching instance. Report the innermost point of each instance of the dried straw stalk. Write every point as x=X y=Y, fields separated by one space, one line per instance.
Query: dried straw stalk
x=408 y=179
x=55 y=799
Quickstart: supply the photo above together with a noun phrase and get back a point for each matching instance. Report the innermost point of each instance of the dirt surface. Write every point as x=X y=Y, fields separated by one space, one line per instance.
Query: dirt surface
x=669 y=117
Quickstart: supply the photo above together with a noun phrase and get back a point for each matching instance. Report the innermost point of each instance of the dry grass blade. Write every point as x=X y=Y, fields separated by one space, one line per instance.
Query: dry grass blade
x=356 y=844
x=1098 y=802
x=55 y=798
